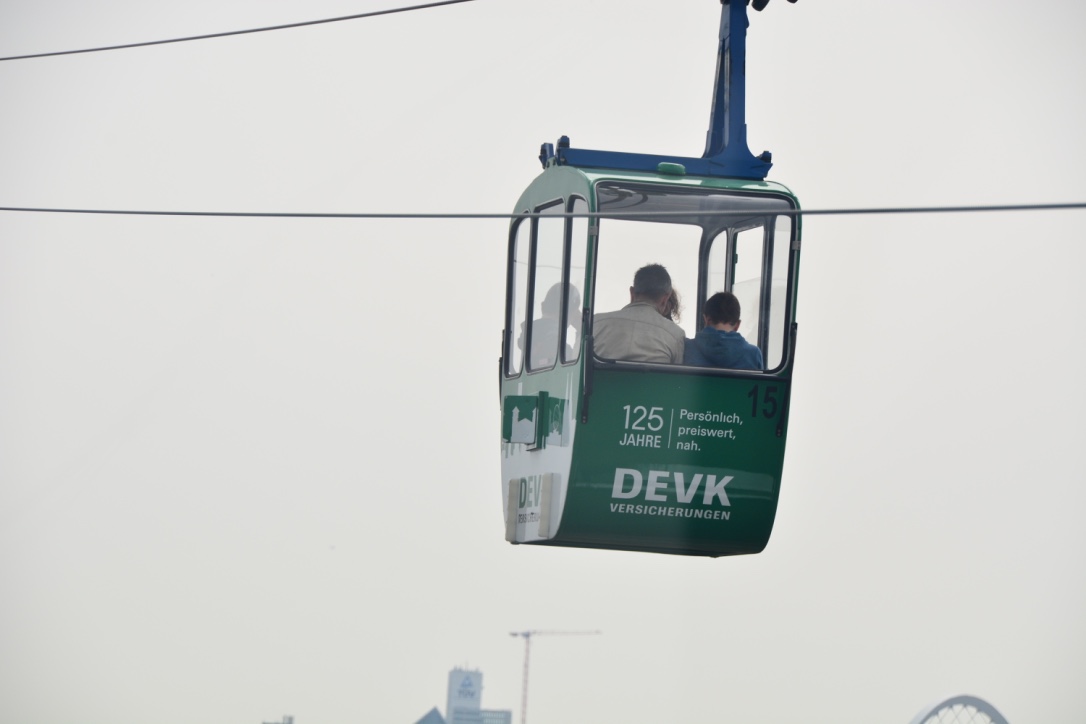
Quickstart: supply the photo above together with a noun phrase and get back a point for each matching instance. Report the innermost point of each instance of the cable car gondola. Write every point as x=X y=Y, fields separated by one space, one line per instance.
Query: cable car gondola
x=634 y=455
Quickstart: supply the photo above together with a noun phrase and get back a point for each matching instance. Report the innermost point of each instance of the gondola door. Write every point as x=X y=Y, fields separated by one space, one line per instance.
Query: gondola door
x=542 y=364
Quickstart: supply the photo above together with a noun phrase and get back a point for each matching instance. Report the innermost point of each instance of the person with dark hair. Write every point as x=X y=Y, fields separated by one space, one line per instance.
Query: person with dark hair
x=546 y=332
x=718 y=343
x=643 y=330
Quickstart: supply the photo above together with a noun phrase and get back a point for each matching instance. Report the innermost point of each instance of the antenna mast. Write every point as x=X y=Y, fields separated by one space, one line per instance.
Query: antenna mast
x=527 y=636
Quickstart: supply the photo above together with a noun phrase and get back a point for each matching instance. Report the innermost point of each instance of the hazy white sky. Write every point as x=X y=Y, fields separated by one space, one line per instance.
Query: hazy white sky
x=250 y=467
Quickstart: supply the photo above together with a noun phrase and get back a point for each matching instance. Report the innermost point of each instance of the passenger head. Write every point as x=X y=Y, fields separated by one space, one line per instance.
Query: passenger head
x=652 y=284
x=552 y=303
x=551 y=306
x=722 y=308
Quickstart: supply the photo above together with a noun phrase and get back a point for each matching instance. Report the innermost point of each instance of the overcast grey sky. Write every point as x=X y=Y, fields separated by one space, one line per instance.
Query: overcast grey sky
x=250 y=467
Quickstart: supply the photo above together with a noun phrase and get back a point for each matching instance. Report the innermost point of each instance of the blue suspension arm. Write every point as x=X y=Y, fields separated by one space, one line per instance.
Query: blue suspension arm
x=726 y=152
x=726 y=141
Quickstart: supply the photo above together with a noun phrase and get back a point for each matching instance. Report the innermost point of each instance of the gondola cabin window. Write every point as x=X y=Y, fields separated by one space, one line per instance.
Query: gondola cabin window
x=517 y=294
x=548 y=255
x=752 y=263
x=625 y=246
x=578 y=256
x=546 y=289
x=709 y=241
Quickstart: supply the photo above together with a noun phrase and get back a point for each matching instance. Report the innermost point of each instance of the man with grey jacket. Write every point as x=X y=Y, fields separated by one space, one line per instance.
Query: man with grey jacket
x=642 y=330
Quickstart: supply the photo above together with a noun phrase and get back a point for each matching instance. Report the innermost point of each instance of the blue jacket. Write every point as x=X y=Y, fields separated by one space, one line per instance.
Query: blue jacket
x=716 y=348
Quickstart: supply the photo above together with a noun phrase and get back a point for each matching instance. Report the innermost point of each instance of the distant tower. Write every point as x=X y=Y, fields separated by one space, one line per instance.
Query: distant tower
x=466 y=698
x=464 y=705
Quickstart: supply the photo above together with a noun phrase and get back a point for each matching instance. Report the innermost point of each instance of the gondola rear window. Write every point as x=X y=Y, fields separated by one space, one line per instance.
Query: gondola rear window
x=710 y=241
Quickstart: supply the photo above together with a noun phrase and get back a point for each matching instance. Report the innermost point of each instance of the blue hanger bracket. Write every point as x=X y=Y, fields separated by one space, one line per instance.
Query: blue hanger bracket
x=726 y=151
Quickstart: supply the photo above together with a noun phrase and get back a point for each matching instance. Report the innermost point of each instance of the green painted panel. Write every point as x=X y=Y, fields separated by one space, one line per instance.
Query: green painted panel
x=687 y=464
x=521 y=424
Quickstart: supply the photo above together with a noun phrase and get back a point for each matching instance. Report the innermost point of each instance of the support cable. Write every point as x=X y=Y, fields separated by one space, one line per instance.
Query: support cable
x=236 y=32
x=572 y=214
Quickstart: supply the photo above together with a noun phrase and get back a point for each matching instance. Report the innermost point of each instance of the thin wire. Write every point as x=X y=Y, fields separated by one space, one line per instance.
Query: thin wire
x=237 y=32
x=573 y=214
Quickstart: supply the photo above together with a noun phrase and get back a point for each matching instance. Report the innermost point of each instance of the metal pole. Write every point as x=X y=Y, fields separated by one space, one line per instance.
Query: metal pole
x=524 y=686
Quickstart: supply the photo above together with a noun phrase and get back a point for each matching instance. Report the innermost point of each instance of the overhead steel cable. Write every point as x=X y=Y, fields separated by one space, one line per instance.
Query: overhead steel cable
x=236 y=32
x=574 y=214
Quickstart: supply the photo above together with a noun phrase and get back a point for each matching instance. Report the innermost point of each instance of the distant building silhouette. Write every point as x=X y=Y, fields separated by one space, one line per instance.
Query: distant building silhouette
x=432 y=717
x=463 y=704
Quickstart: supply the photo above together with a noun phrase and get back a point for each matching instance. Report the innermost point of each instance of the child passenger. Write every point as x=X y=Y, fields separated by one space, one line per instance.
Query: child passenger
x=718 y=343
